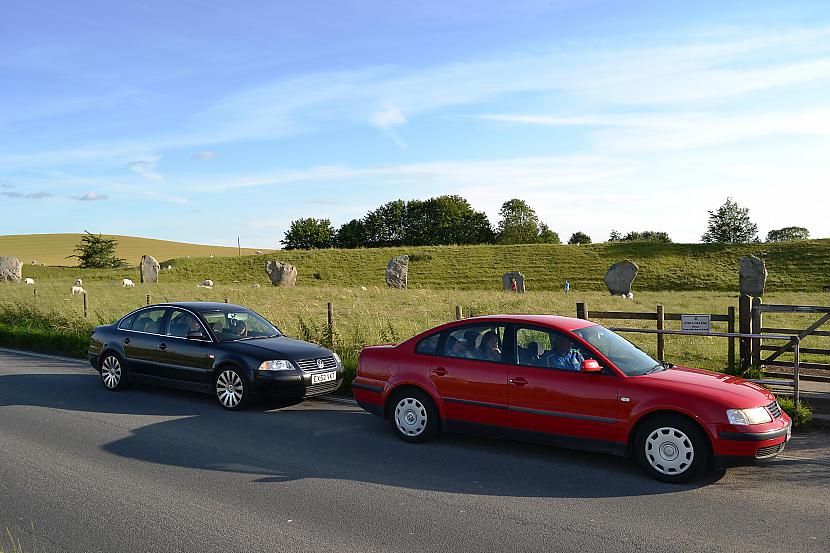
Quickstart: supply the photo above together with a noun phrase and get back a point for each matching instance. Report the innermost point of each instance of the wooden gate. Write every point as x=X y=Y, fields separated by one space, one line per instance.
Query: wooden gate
x=774 y=359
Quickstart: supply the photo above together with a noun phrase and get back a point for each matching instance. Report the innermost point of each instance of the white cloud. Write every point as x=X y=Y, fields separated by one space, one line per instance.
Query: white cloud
x=146 y=168
x=90 y=197
x=204 y=155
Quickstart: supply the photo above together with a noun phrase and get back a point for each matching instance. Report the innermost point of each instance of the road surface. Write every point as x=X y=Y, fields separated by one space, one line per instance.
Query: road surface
x=83 y=469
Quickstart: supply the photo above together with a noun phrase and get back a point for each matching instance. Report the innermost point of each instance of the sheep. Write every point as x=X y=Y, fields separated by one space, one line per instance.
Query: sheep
x=207 y=283
x=169 y=267
x=258 y=252
x=127 y=283
x=257 y=286
x=77 y=290
x=34 y=262
x=29 y=281
x=78 y=282
x=211 y=256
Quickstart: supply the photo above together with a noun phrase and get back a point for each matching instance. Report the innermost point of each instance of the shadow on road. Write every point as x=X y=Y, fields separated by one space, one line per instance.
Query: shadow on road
x=320 y=439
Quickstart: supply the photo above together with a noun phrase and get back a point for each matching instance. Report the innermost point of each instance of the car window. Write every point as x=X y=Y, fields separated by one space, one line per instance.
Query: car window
x=182 y=323
x=429 y=345
x=626 y=356
x=127 y=322
x=230 y=326
x=149 y=320
x=484 y=342
x=537 y=347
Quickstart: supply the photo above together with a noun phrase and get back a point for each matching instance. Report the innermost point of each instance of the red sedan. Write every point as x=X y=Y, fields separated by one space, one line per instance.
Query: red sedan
x=573 y=383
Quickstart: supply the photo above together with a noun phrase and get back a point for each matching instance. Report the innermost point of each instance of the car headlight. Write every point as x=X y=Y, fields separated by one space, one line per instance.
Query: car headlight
x=278 y=365
x=756 y=415
x=337 y=358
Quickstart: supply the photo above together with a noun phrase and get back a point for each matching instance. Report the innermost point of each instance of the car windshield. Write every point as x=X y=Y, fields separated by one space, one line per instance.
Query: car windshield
x=626 y=356
x=232 y=326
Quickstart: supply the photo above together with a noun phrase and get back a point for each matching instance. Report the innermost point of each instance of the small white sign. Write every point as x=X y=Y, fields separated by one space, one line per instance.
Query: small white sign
x=696 y=323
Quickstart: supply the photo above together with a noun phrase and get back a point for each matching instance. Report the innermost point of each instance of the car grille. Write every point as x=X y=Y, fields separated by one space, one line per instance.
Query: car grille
x=310 y=365
x=324 y=388
x=774 y=409
x=769 y=451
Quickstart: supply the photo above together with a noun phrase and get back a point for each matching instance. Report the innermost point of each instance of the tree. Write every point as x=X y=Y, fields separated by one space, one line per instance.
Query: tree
x=788 y=234
x=309 y=234
x=96 y=252
x=579 y=237
x=647 y=236
x=519 y=223
x=547 y=236
x=386 y=225
x=445 y=220
x=615 y=236
x=730 y=224
x=351 y=235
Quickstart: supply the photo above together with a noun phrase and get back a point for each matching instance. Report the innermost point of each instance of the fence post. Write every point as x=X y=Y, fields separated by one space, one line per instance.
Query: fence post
x=744 y=326
x=581 y=311
x=757 y=321
x=661 y=339
x=731 y=343
x=35 y=291
x=86 y=313
x=148 y=299
x=458 y=313
x=796 y=378
x=226 y=300
x=330 y=321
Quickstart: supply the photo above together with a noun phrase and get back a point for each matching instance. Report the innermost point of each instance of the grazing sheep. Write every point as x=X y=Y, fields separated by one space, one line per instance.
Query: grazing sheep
x=78 y=282
x=34 y=262
x=363 y=288
x=29 y=281
x=127 y=283
x=257 y=286
x=207 y=283
x=77 y=290
x=169 y=267
x=258 y=252
x=211 y=256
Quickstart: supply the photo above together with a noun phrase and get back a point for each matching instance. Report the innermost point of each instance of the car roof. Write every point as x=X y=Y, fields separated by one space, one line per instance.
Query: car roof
x=201 y=305
x=555 y=321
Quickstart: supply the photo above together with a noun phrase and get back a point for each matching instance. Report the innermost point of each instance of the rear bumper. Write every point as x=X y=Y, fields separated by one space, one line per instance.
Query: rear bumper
x=369 y=395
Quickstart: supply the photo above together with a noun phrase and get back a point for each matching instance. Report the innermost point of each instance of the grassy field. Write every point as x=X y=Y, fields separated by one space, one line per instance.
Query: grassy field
x=795 y=266
x=53 y=249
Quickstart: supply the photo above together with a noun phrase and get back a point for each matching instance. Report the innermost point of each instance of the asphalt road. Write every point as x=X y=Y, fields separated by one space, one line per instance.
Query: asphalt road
x=83 y=469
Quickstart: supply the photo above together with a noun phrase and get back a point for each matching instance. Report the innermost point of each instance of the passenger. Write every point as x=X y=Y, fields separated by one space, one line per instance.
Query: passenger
x=564 y=357
x=455 y=347
x=470 y=339
x=194 y=326
x=490 y=348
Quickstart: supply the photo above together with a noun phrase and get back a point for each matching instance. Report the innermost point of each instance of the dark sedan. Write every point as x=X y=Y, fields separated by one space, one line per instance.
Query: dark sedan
x=217 y=348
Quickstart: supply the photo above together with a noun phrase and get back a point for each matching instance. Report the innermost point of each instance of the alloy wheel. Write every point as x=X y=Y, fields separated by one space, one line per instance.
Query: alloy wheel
x=229 y=388
x=111 y=372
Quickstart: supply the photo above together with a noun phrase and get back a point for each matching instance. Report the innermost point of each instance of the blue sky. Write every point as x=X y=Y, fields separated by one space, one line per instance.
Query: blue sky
x=202 y=121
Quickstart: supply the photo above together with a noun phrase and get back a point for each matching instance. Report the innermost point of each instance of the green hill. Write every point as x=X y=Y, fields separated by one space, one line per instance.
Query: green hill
x=793 y=266
x=53 y=249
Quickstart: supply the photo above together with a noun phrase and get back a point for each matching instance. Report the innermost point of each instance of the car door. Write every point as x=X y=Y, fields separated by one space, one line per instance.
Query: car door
x=472 y=382
x=547 y=393
x=141 y=341
x=186 y=360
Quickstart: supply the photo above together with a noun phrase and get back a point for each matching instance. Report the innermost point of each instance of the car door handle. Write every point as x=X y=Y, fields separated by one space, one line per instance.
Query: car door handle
x=126 y=340
x=162 y=346
x=439 y=371
x=519 y=381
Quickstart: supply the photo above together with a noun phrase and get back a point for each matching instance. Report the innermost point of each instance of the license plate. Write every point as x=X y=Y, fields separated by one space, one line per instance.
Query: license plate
x=323 y=377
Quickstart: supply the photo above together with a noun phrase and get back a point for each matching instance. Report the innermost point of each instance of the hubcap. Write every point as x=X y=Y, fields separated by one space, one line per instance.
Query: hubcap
x=229 y=388
x=410 y=416
x=111 y=372
x=669 y=451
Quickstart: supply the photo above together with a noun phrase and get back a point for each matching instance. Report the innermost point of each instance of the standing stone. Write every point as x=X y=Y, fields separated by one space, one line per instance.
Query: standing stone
x=149 y=269
x=397 y=272
x=11 y=269
x=753 y=276
x=281 y=274
x=508 y=278
x=620 y=276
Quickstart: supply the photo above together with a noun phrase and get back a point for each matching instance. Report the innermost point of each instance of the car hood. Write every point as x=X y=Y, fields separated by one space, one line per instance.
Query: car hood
x=729 y=389
x=281 y=347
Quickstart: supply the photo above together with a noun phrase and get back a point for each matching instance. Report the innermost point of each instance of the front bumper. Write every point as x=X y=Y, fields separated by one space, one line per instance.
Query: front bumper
x=294 y=383
x=745 y=445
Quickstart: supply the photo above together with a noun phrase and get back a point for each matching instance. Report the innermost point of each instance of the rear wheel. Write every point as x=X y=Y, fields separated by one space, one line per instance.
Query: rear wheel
x=414 y=416
x=672 y=448
x=113 y=373
x=232 y=390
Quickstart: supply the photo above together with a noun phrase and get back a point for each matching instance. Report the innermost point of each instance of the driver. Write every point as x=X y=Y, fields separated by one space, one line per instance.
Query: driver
x=564 y=356
x=241 y=329
x=194 y=326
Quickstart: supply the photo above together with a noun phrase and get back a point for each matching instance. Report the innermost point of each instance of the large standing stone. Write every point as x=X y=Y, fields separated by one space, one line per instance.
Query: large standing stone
x=508 y=279
x=149 y=269
x=619 y=277
x=397 y=271
x=753 y=276
x=281 y=274
x=11 y=269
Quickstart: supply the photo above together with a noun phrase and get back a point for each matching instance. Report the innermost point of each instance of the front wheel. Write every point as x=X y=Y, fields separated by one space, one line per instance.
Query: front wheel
x=415 y=417
x=232 y=390
x=672 y=448
x=113 y=373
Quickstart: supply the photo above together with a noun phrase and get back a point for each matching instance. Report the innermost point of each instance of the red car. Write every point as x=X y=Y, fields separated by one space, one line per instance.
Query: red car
x=572 y=383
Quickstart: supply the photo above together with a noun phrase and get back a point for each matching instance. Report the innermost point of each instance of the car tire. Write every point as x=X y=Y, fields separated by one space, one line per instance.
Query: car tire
x=232 y=389
x=113 y=372
x=672 y=448
x=414 y=416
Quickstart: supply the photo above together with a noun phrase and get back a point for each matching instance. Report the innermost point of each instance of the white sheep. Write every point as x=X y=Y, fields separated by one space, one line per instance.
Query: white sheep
x=29 y=281
x=207 y=283
x=211 y=256
x=34 y=262
x=258 y=252
x=169 y=267
x=257 y=285
x=127 y=283
x=77 y=290
x=78 y=282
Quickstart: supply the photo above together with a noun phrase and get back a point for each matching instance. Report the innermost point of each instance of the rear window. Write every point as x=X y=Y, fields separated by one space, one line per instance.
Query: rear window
x=429 y=345
x=127 y=322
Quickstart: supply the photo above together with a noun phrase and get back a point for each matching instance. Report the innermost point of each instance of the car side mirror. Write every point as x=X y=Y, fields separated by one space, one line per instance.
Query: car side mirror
x=589 y=366
x=195 y=335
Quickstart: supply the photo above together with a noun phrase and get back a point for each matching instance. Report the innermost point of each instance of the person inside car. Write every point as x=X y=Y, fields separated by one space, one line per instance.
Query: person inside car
x=490 y=348
x=241 y=329
x=564 y=356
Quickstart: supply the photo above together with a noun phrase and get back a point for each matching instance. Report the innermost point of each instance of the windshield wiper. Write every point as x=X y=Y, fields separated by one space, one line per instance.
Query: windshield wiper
x=257 y=337
x=657 y=368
